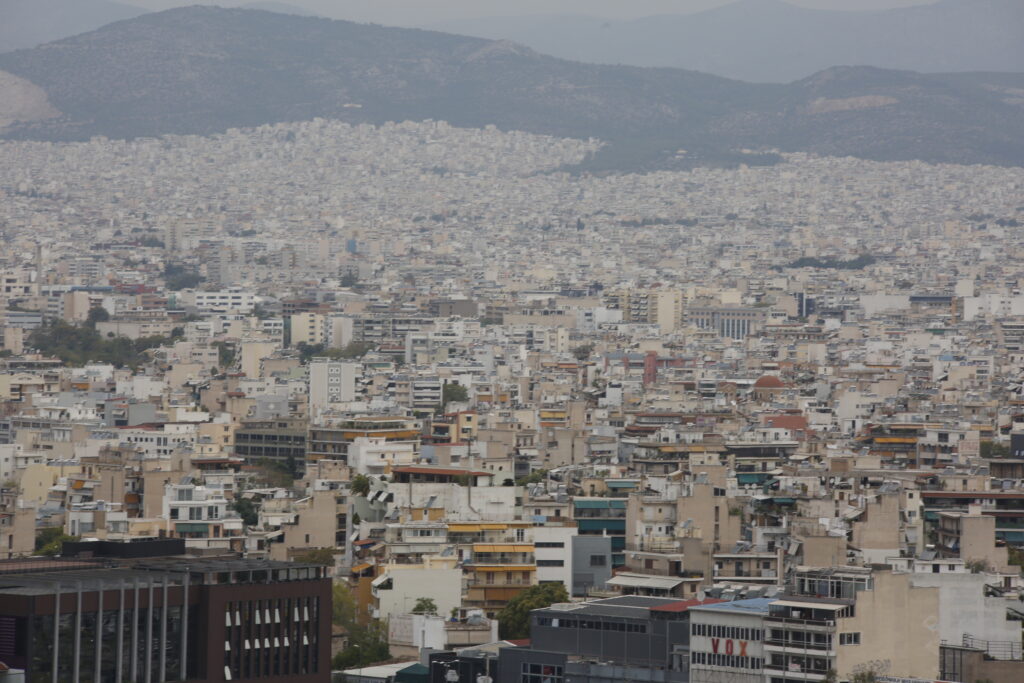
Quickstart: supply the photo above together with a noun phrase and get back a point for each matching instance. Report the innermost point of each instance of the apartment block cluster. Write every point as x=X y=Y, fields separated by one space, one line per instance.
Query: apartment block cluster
x=762 y=424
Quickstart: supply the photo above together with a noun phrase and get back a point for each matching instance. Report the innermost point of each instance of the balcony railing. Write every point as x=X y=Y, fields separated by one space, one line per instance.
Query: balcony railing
x=500 y=559
x=514 y=583
x=793 y=668
x=799 y=644
x=810 y=623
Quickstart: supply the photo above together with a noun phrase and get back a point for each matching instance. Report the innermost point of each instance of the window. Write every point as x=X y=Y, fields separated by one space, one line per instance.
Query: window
x=598 y=561
x=549 y=544
x=195 y=513
x=550 y=563
x=541 y=673
x=849 y=638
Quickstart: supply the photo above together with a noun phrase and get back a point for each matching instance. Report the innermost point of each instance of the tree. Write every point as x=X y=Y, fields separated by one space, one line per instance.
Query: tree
x=367 y=642
x=452 y=392
x=178 y=277
x=991 y=449
x=323 y=556
x=534 y=477
x=50 y=541
x=514 y=619
x=225 y=354
x=360 y=485
x=246 y=509
x=868 y=672
x=583 y=352
x=274 y=473
x=425 y=606
x=97 y=314
x=78 y=345
x=978 y=566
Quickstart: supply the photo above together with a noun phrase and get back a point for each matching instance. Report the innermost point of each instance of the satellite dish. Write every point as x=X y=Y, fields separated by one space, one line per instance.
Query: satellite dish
x=701 y=595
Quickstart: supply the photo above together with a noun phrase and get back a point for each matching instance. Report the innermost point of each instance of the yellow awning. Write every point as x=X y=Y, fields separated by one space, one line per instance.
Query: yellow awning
x=361 y=567
x=494 y=527
x=507 y=548
x=460 y=528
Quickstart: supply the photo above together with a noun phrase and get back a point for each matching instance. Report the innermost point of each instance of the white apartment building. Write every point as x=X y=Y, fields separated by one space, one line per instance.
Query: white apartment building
x=331 y=382
x=223 y=301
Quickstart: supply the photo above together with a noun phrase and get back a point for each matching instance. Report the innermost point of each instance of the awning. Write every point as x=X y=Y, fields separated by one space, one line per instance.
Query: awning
x=644 y=581
x=361 y=567
x=190 y=527
x=493 y=527
x=484 y=548
x=598 y=504
x=462 y=528
x=610 y=525
x=380 y=579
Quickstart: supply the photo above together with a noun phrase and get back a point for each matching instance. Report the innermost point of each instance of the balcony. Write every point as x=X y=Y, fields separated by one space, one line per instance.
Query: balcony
x=793 y=671
x=504 y=583
x=816 y=625
x=488 y=559
x=791 y=646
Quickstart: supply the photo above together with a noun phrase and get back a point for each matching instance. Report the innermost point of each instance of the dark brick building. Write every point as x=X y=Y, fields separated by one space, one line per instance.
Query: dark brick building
x=165 y=619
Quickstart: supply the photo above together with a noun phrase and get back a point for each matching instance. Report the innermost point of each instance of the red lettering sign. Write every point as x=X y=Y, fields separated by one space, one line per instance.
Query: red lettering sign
x=730 y=646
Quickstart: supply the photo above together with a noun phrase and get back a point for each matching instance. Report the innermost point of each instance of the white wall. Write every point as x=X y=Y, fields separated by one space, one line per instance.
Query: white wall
x=554 y=534
x=963 y=608
x=443 y=586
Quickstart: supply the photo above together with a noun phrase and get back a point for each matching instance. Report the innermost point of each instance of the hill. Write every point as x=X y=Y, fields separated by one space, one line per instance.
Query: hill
x=773 y=41
x=199 y=70
x=27 y=23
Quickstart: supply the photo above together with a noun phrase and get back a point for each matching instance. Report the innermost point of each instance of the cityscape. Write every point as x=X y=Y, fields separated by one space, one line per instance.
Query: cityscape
x=409 y=401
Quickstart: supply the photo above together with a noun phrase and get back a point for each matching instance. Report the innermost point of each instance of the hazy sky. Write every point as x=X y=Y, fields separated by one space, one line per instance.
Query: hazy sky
x=416 y=12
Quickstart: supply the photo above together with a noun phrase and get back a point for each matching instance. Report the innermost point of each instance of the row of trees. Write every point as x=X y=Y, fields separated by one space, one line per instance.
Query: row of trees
x=76 y=345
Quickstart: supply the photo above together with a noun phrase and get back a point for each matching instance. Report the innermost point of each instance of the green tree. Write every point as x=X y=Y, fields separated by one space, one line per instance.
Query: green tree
x=97 y=314
x=425 y=606
x=76 y=345
x=583 y=352
x=323 y=556
x=50 y=540
x=178 y=277
x=991 y=449
x=360 y=485
x=225 y=354
x=534 y=477
x=514 y=619
x=274 y=473
x=452 y=392
x=246 y=509
x=367 y=640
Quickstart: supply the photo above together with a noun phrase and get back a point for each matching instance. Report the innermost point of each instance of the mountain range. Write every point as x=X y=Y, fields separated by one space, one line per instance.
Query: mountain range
x=773 y=41
x=200 y=70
